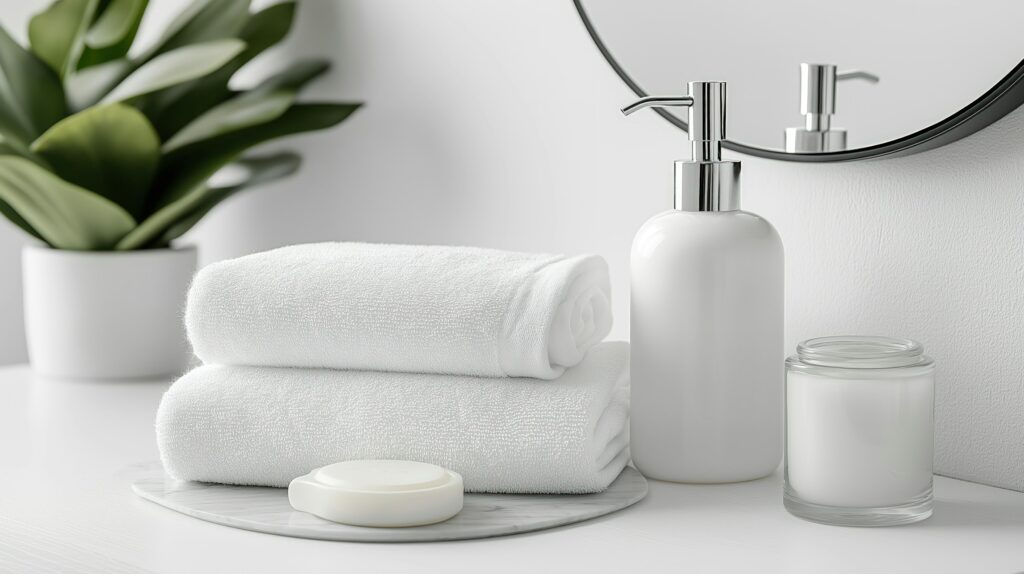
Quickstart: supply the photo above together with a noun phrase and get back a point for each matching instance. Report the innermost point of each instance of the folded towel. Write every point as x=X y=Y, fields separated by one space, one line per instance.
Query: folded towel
x=452 y=310
x=265 y=426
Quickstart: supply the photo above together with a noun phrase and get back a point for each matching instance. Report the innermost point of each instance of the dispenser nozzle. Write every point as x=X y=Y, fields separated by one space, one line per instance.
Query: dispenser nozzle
x=706 y=121
x=857 y=75
x=657 y=102
x=705 y=183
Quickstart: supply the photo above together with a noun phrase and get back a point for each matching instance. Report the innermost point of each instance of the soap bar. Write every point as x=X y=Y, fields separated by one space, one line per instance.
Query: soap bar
x=382 y=493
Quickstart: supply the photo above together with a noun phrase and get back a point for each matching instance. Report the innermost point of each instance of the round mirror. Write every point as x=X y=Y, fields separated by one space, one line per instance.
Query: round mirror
x=824 y=81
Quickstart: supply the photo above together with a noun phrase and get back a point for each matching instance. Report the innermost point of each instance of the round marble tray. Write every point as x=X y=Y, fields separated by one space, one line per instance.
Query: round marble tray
x=484 y=515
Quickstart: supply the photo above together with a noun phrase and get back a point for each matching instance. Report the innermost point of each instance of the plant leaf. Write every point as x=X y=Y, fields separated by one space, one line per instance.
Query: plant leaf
x=234 y=114
x=295 y=76
x=174 y=219
x=63 y=214
x=266 y=28
x=202 y=21
x=117 y=20
x=31 y=96
x=57 y=34
x=219 y=194
x=175 y=67
x=121 y=168
x=263 y=103
x=11 y=146
x=86 y=87
x=189 y=166
x=16 y=219
x=171 y=109
x=112 y=32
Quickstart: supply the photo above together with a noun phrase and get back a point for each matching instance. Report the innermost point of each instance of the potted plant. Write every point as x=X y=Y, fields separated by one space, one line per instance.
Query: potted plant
x=107 y=157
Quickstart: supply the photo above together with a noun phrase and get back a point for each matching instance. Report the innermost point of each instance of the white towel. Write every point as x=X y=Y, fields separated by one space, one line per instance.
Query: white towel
x=425 y=309
x=265 y=426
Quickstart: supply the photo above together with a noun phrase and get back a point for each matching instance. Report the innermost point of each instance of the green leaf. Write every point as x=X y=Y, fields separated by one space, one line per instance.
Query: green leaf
x=31 y=96
x=174 y=219
x=63 y=214
x=266 y=28
x=11 y=146
x=235 y=114
x=15 y=148
x=219 y=194
x=87 y=87
x=57 y=34
x=202 y=21
x=263 y=103
x=175 y=67
x=111 y=150
x=189 y=166
x=12 y=216
x=297 y=75
x=171 y=109
x=118 y=20
x=112 y=32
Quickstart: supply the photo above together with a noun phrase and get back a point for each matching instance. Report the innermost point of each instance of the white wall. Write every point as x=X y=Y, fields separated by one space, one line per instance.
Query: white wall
x=495 y=123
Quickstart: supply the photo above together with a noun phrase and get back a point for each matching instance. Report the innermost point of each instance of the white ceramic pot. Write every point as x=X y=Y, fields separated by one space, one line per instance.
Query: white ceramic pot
x=106 y=314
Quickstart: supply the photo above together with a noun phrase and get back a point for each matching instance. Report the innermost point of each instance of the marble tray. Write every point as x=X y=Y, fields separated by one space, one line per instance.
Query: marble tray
x=484 y=515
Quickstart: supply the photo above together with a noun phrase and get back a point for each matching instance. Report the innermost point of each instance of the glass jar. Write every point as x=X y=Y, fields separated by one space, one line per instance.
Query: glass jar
x=859 y=428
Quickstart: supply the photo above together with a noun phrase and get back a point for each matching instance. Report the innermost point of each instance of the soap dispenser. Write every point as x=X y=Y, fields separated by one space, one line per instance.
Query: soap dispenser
x=818 y=104
x=706 y=319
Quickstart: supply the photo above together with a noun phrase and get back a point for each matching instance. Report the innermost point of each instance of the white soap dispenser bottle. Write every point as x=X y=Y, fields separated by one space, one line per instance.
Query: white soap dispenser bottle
x=706 y=319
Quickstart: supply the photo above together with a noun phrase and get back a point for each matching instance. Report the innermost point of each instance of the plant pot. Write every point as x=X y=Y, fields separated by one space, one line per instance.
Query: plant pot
x=106 y=315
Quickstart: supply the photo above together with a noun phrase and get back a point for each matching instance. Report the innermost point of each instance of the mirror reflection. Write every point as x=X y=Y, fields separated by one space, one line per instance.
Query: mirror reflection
x=807 y=76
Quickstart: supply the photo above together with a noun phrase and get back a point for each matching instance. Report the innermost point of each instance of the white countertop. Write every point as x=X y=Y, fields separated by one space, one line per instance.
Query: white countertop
x=64 y=506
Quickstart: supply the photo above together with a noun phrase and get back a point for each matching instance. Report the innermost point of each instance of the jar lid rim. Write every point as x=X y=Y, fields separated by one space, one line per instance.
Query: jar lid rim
x=860 y=351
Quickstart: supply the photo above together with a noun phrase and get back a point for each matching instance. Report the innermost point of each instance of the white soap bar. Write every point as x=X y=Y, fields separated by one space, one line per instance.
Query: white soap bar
x=386 y=493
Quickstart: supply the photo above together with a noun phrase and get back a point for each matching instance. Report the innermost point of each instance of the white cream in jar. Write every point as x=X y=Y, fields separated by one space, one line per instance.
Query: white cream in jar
x=859 y=431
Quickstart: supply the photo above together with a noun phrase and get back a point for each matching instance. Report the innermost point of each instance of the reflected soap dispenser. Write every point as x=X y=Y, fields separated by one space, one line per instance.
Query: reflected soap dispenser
x=706 y=319
x=817 y=105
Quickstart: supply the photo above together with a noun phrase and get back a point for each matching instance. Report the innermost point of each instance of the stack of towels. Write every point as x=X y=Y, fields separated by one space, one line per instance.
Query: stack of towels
x=485 y=362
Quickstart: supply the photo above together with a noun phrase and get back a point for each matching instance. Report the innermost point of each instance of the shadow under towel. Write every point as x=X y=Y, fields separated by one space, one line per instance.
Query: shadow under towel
x=265 y=426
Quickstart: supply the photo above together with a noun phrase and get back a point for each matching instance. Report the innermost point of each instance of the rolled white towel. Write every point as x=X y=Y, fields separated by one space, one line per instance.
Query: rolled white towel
x=425 y=309
x=265 y=426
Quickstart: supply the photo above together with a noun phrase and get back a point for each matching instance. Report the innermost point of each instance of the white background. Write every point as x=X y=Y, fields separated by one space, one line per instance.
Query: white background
x=495 y=124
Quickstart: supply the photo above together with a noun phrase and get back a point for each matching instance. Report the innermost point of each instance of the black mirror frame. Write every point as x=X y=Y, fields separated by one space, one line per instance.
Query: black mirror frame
x=1000 y=100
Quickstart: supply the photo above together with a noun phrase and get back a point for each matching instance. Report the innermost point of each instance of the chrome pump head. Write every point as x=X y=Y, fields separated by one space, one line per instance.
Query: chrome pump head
x=705 y=182
x=818 y=104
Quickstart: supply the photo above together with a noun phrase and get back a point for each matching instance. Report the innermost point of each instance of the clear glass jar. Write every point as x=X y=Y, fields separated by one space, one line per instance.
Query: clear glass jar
x=859 y=431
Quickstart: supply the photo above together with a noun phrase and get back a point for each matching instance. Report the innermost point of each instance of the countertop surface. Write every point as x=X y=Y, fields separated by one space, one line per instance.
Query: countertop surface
x=66 y=506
